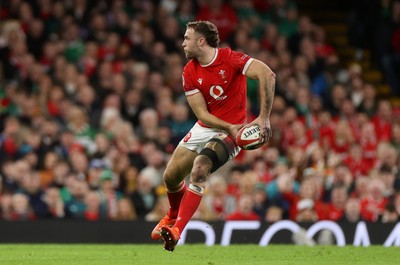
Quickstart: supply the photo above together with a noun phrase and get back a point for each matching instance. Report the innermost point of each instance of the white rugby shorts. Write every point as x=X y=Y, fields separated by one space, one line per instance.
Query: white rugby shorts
x=198 y=136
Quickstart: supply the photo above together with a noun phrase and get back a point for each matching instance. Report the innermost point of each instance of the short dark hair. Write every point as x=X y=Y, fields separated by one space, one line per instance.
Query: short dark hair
x=207 y=29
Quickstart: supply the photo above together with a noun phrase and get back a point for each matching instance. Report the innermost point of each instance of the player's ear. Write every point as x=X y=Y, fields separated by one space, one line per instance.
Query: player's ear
x=201 y=41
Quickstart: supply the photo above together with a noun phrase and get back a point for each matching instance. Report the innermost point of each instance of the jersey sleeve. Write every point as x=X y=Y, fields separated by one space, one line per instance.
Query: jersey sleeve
x=241 y=61
x=187 y=83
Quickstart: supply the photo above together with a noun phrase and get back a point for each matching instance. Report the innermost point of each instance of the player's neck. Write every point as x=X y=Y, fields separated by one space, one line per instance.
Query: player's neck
x=208 y=56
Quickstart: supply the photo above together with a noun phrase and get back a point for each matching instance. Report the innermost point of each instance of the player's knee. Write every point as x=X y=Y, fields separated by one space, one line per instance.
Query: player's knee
x=170 y=179
x=201 y=169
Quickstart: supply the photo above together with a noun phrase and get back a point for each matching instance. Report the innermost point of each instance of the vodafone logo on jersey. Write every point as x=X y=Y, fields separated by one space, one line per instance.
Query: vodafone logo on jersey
x=216 y=92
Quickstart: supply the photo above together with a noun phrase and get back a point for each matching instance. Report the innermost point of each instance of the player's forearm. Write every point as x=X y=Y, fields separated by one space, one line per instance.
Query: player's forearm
x=213 y=121
x=267 y=92
x=199 y=107
x=266 y=78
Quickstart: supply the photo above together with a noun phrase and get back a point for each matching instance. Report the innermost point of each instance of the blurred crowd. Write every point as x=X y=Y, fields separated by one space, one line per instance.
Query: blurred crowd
x=92 y=106
x=375 y=25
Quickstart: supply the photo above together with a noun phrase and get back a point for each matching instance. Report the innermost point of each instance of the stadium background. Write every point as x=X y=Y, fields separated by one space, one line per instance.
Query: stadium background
x=91 y=107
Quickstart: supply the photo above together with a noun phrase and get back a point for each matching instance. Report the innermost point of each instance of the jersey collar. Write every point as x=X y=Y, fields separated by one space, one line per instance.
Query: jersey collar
x=213 y=59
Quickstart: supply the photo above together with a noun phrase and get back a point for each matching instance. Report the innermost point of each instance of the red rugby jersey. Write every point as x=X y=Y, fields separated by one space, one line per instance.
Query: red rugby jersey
x=222 y=83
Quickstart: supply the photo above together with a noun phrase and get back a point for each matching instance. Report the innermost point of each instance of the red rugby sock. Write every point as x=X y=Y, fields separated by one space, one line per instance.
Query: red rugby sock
x=175 y=199
x=190 y=202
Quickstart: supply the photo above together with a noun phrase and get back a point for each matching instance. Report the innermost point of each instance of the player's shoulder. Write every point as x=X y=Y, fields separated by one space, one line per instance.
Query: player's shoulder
x=225 y=51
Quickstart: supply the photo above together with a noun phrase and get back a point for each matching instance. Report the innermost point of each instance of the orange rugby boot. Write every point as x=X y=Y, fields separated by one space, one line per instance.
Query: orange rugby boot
x=155 y=234
x=171 y=236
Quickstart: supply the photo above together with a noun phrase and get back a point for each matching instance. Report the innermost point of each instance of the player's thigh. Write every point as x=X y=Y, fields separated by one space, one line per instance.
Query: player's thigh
x=179 y=165
x=224 y=146
x=219 y=150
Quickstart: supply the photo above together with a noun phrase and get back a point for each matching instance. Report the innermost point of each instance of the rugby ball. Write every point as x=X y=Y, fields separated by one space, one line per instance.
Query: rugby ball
x=250 y=137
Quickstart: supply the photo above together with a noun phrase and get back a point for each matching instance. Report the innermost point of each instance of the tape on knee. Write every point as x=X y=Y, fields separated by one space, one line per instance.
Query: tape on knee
x=208 y=152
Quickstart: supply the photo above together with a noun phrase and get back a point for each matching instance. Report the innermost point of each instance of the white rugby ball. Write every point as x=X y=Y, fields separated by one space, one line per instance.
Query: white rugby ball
x=249 y=137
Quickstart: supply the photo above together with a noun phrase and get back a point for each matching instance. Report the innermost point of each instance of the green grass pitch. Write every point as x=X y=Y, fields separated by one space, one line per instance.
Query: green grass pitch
x=76 y=254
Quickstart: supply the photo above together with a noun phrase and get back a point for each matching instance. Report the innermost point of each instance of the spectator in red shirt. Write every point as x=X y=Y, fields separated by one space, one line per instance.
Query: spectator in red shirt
x=326 y=130
x=270 y=37
x=107 y=51
x=302 y=137
x=343 y=138
x=348 y=113
x=244 y=210
x=369 y=142
x=383 y=120
x=287 y=119
x=235 y=174
x=89 y=60
x=21 y=210
x=8 y=138
x=322 y=47
x=220 y=14
x=217 y=199
x=92 y=203
x=355 y=161
x=312 y=118
x=308 y=191
x=373 y=205
x=336 y=207
x=264 y=173
x=361 y=188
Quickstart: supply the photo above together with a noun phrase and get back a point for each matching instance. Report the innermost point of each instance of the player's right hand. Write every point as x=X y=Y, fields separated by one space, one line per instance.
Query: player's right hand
x=233 y=129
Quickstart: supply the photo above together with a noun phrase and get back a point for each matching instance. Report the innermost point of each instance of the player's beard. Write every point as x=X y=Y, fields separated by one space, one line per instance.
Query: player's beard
x=189 y=55
x=192 y=54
